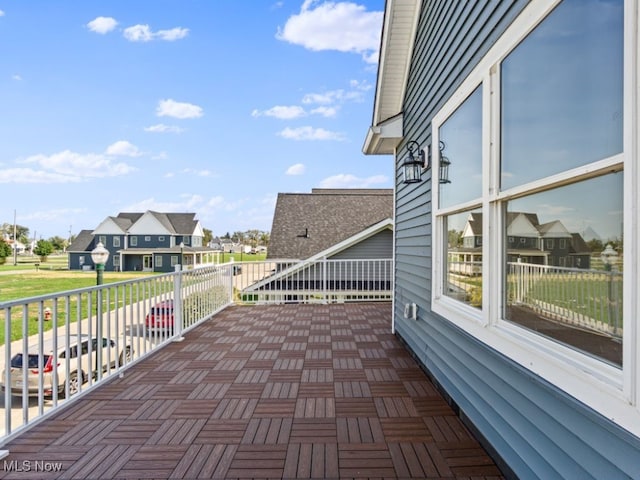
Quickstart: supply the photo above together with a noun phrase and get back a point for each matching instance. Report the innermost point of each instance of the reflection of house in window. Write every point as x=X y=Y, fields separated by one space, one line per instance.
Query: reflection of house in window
x=530 y=241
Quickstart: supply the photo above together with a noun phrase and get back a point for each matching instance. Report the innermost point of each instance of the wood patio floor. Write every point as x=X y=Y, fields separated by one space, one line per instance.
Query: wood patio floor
x=285 y=391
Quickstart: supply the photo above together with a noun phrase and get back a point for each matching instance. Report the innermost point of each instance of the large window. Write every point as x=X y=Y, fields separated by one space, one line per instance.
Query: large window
x=529 y=221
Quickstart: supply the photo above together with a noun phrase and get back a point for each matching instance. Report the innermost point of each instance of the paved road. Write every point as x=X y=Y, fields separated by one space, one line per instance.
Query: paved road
x=130 y=332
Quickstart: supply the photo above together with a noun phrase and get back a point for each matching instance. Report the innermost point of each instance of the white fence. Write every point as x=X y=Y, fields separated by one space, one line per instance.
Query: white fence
x=582 y=298
x=62 y=345
x=318 y=281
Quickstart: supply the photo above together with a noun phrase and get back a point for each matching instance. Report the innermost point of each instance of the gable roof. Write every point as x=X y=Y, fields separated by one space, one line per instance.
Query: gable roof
x=396 y=48
x=305 y=224
x=174 y=223
x=386 y=224
x=82 y=242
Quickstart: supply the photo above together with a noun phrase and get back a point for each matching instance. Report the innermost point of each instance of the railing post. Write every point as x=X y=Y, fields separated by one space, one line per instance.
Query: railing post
x=178 y=317
x=324 y=279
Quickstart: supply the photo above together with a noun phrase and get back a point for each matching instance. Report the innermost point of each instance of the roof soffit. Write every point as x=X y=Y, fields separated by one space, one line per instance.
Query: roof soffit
x=396 y=49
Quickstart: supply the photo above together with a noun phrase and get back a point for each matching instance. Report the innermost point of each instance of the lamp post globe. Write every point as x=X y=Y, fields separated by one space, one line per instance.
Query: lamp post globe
x=608 y=257
x=99 y=255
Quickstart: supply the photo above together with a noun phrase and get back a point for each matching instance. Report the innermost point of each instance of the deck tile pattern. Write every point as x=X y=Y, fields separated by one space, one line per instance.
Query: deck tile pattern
x=289 y=391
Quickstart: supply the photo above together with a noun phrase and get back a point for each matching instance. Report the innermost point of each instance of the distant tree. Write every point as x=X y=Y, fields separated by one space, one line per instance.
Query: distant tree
x=58 y=243
x=252 y=236
x=455 y=238
x=5 y=251
x=208 y=236
x=43 y=249
x=264 y=238
x=595 y=245
x=22 y=233
x=238 y=237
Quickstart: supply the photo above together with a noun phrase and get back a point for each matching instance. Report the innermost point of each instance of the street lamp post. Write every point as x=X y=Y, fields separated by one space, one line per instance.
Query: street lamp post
x=99 y=255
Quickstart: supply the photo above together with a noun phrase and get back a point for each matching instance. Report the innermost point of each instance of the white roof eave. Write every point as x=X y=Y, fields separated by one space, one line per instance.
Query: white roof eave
x=396 y=49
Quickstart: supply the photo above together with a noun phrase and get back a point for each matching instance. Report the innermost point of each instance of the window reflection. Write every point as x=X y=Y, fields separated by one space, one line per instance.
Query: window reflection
x=461 y=144
x=463 y=280
x=564 y=273
x=562 y=92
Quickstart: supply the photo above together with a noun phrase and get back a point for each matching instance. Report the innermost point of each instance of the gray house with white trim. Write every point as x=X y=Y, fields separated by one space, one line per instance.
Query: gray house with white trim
x=519 y=106
x=143 y=241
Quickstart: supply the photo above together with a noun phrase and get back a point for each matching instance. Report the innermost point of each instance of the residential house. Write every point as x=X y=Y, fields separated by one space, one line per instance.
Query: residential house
x=149 y=241
x=15 y=245
x=528 y=241
x=350 y=228
x=336 y=222
x=511 y=107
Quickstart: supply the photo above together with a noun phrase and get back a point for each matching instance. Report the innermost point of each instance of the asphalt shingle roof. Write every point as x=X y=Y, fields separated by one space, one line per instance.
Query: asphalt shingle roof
x=307 y=223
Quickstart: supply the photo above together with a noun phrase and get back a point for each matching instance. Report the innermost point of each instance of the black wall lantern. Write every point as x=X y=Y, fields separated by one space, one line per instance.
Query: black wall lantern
x=413 y=163
x=444 y=165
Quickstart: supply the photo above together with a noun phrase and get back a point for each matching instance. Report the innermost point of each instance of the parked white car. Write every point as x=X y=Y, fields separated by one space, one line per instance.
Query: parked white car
x=80 y=367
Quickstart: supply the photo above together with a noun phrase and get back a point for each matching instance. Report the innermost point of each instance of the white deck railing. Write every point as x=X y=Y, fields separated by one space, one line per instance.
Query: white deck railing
x=31 y=329
x=582 y=298
x=317 y=281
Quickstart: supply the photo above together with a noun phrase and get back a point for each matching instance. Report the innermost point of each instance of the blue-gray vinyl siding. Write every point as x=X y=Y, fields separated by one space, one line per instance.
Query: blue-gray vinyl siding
x=377 y=246
x=535 y=428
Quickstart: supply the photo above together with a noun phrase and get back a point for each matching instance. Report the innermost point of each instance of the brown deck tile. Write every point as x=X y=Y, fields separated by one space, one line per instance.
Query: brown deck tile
x=284 y=391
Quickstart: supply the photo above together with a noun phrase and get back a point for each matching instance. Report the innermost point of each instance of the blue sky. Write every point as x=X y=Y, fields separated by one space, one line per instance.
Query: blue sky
x=205 y=106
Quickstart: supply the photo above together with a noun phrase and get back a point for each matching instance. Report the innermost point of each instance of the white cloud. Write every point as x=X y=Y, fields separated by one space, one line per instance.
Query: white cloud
x=122 y=148
x=281 y=112
x=16 y=77
x=29 y=175
x=344 y=180
x=310 y=133
x=187 y=202
x=143 y=33
x=334 y=96
x=297 y=169
x=102 y=25
x=173 y=34
x=325 y=111
x=341 y=26
x=70 y=166
x=138 y=33
x=199 y=173
x=171 y=108
x=162 y=128
x=1 y=13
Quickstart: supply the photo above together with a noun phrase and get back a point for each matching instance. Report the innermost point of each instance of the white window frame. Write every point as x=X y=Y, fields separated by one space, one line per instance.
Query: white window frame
x=116 y=241
x=612 y=391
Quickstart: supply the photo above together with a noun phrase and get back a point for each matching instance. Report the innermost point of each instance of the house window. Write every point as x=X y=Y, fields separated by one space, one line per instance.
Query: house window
x=116 y=261
x=134 y=241
x=186 y=240
x=159 y=261
x=102 y=239
x=161 y=238
x=174 y=260
x=459 y=216
x=116 y=241
x=537 y=136
x=147 y=238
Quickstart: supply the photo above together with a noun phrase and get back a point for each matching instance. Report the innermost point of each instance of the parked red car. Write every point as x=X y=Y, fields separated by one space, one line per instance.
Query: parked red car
x=160 y=316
